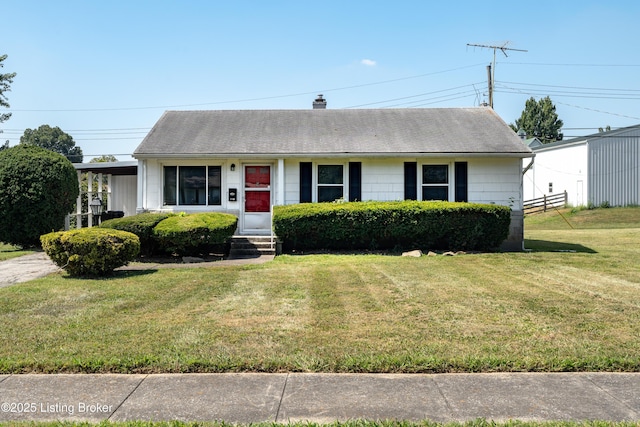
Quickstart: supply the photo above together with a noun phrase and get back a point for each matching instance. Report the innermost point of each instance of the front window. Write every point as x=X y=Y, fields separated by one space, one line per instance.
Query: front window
x=330 y=183
x=435 y=182
x=192 y=185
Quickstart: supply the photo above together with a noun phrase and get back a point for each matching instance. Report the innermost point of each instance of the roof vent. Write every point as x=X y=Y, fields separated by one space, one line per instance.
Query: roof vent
x=320 y=103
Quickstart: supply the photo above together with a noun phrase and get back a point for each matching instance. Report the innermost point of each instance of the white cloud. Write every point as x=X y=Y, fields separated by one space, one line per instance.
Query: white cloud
x=368 y=62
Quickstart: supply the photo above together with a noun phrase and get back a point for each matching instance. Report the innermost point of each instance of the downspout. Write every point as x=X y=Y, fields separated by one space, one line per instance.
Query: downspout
x=525 y=170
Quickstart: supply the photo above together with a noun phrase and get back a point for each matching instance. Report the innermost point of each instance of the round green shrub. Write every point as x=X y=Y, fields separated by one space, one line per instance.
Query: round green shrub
x=91 y=251
x=194 y=233
x=142 y=226
x=38 y=188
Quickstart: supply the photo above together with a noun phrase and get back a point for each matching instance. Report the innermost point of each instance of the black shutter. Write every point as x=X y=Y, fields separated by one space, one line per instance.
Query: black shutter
x=410 y=181
x=355 y=181
x=306 y=190
x=461 y=182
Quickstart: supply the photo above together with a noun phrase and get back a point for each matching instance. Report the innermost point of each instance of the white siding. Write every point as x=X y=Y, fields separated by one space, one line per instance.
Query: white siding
x=123 y=194
x=489 y=180
x=565 y=168
x=497 y=181
x=382 y=179
x=152 y=182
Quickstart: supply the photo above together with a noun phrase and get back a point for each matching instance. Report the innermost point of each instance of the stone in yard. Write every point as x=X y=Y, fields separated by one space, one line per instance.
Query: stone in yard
x=449 y=253
x=431 y=253
x=416 y=254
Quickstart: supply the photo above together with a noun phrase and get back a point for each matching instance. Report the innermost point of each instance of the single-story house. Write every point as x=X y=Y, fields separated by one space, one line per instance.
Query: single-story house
x=602 y=168
x=245 y=162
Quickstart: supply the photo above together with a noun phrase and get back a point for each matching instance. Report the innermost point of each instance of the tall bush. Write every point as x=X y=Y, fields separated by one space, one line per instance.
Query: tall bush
x=38 y=188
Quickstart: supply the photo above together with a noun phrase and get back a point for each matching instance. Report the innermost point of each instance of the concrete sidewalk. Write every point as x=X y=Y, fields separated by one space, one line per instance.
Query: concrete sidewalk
x=33 y=266
x=245 y=398
x=25 y=268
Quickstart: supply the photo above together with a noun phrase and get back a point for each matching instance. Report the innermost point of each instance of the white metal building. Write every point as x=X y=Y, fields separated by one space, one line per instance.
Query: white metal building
x=603 y=168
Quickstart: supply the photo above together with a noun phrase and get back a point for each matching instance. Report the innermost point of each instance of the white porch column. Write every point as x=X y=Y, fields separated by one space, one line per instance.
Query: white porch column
x=89 y=198
x=109 y=192
x=142 y=172
x=79 y=202
x=281 y=184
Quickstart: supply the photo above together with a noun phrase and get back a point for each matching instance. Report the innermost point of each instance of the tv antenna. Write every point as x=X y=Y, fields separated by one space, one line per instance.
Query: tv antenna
x=491 y=72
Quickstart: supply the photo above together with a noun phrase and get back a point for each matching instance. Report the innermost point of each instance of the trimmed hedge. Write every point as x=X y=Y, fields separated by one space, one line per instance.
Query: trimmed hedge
x=391 y=225
x=141 y=225
x=90 y=251
x=194 y=233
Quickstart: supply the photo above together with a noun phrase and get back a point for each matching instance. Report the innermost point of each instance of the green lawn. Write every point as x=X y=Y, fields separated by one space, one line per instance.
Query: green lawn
x=9 y=251
x=570 y=304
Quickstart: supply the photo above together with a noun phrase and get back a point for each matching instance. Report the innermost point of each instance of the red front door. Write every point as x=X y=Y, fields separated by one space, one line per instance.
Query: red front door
x=257 y=198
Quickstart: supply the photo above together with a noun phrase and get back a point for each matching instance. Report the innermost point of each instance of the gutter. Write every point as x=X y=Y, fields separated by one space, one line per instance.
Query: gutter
x=520 y=155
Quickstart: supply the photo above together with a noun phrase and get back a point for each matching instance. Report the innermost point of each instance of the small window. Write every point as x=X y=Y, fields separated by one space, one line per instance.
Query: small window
x=170 y=185
x=410 y=181
x=330 y=183
x=306 y=179
x=435 y=182
x=214 y=185
x=550 y=187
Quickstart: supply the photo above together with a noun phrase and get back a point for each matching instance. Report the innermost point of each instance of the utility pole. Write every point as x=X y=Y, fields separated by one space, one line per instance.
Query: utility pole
x=492 y=69
x=490 y=84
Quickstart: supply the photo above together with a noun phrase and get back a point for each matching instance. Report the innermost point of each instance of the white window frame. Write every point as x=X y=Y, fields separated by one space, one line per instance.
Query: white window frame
x=317 y=184
x=449 y=184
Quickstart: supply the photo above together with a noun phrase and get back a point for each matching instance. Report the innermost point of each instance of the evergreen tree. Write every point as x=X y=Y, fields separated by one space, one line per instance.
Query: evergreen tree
x=539 y=119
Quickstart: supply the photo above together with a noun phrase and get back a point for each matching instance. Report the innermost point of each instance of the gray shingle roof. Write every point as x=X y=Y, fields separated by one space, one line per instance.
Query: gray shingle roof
x=291 y=133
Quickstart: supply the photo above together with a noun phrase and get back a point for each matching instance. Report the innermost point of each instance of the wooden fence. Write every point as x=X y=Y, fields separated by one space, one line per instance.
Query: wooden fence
x=541 y=204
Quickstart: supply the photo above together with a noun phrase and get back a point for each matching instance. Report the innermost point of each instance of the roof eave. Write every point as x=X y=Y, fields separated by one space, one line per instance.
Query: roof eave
x=143 y=156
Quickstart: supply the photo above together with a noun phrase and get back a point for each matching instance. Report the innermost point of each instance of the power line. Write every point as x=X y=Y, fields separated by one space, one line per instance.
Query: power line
x=315 y=92
x=569 y=65
x=411 y=96
x=522 y=92
x=571 y=87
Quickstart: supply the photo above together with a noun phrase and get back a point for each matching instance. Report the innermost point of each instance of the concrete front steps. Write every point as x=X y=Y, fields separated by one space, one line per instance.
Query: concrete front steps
x=252 y=246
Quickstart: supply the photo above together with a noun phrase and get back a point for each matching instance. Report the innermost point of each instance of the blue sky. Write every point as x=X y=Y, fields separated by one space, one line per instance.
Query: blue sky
x=104 y=72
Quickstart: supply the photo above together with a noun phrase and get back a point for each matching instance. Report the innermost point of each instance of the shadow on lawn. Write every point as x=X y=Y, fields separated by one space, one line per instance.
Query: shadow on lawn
x=548 y=246
x=117 y=274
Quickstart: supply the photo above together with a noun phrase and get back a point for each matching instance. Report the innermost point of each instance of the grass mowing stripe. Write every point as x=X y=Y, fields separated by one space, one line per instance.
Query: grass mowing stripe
x=539 y=311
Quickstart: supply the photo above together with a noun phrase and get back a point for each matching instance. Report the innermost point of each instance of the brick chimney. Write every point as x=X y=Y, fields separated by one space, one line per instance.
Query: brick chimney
x=320 y=103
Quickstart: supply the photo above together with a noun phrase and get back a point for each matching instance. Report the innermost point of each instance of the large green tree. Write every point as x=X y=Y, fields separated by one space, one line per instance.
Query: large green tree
x=38 y=188
x=54 y=139
x=539 y=119
x=5 y=86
